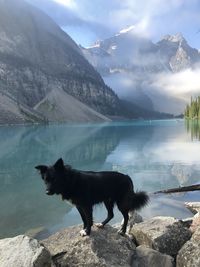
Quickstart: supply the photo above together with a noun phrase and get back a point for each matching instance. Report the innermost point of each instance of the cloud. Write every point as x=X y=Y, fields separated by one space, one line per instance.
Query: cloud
x=181 y=84
x=102 y=19
x=68 y=3
x=169 y=92
x=72 y=18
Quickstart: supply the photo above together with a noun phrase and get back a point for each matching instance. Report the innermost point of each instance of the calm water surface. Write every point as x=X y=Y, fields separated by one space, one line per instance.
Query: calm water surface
x=156 y=154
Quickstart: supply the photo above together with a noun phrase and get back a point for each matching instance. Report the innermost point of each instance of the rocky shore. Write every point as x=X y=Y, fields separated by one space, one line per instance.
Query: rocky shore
x=159 y=241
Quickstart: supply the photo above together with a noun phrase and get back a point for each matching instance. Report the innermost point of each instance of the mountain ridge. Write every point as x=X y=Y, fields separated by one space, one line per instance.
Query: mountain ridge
x=36 y=56
x=130 y=64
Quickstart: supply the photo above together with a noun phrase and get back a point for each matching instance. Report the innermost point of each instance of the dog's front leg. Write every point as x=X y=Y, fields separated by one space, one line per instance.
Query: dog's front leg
x=89 y=220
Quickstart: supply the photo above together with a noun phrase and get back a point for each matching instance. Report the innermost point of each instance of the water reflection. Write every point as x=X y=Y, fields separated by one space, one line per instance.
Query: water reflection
x=23 y=203
x=156 y=154
x=193 y=127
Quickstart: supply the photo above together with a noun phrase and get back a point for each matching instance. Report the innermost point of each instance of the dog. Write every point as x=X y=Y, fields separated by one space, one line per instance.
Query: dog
x=87 y=188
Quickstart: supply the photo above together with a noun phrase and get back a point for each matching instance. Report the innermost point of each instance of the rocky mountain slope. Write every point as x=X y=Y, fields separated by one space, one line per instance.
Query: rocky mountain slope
x=53 y=107
x=13 y=112
x=36 y=57
x=129 y=64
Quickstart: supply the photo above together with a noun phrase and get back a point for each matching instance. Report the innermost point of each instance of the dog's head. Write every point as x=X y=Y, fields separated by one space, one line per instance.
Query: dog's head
x=52 y=176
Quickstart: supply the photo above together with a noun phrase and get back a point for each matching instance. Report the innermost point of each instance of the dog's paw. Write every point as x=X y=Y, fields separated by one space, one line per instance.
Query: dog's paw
x=83 y=232
x=121 y=232
x=99 y=225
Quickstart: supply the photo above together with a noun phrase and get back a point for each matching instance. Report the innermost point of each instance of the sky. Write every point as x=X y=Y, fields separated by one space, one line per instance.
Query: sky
x=87 y=21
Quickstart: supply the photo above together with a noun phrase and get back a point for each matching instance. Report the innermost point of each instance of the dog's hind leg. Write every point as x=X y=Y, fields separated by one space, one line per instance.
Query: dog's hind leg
x=80 y=209
x=122 y=231
x=89 y=220
x=109 y=206
x=123 y=207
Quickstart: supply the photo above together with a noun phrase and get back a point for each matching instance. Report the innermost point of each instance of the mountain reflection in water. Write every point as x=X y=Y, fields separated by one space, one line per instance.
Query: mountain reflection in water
x=156 y=154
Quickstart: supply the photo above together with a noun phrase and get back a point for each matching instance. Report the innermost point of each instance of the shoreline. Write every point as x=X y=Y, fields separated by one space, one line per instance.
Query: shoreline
x=147 y=242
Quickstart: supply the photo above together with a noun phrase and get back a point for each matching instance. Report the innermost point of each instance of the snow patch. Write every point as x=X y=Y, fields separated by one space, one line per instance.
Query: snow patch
x=95 y=45
x=127 y=29
x=113 y=47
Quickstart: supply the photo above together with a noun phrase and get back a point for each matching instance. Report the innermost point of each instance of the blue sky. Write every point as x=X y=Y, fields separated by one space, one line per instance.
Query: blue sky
x=89 y=20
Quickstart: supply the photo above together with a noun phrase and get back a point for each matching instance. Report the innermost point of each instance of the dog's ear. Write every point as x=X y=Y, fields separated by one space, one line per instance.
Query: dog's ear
x=59 y=165
x=42 y=168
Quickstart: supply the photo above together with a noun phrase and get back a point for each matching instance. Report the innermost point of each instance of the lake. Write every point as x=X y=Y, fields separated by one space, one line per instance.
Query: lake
x=156 y=154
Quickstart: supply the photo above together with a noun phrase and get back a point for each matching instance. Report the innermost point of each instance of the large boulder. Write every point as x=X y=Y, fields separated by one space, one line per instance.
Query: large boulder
x=195 y=222
x=103 y=248
x=147 y=257
x=22 y=251
x=165 y=234
x=189 y=254
x=194 y=207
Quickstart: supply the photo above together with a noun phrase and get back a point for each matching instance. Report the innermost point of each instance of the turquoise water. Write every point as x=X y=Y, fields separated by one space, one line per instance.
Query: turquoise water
x=156 y=154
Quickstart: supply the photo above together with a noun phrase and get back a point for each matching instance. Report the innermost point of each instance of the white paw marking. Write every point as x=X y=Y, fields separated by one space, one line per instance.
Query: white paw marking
x=99 y=225
x=83 y=232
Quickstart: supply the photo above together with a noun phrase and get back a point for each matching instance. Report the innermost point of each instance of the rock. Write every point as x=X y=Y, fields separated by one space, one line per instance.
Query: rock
x=197 y=215
x=146 y=257
x=22 y=251
x=134 y=218
x=195 y=223
x=103 y=248
x=194 y=207
x=189 y=254
x=187 y=222
x=165 y=234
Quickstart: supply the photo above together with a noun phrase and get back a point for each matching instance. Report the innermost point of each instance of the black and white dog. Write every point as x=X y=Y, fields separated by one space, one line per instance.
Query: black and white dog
x=86 y=189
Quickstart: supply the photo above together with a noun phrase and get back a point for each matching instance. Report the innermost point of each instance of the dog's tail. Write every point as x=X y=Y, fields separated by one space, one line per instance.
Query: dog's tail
x=139 y=200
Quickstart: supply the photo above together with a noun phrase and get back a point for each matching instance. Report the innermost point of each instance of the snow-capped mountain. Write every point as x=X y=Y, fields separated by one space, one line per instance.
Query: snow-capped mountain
x=129 y=63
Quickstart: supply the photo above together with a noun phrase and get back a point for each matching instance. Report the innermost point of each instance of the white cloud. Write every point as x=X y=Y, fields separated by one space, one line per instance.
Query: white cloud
x=68 y=3
x=179 y=84
x=152 y=18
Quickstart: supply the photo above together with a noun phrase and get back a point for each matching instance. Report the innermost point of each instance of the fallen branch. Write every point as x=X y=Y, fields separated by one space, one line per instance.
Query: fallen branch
x=180 y=189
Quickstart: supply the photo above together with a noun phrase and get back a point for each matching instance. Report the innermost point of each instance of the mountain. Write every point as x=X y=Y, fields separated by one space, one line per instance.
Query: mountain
x=130 y=64
x=131 y=52
x=13 y=112
x=37 y=57
x=53 y=107
x=176 y=54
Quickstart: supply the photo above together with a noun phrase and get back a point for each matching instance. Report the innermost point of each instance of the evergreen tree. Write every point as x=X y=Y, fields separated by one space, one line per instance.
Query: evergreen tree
x=192 y=110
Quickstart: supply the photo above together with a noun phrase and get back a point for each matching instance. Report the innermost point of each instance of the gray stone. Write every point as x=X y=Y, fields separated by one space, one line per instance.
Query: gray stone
x=165 y=234
x=134 y=218
x=194 y=207
x=147 y=257
x=103 y=248
x=22 y=251
x=189 y=254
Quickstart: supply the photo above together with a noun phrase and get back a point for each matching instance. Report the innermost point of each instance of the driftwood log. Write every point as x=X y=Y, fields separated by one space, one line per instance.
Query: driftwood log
x=189 y=188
